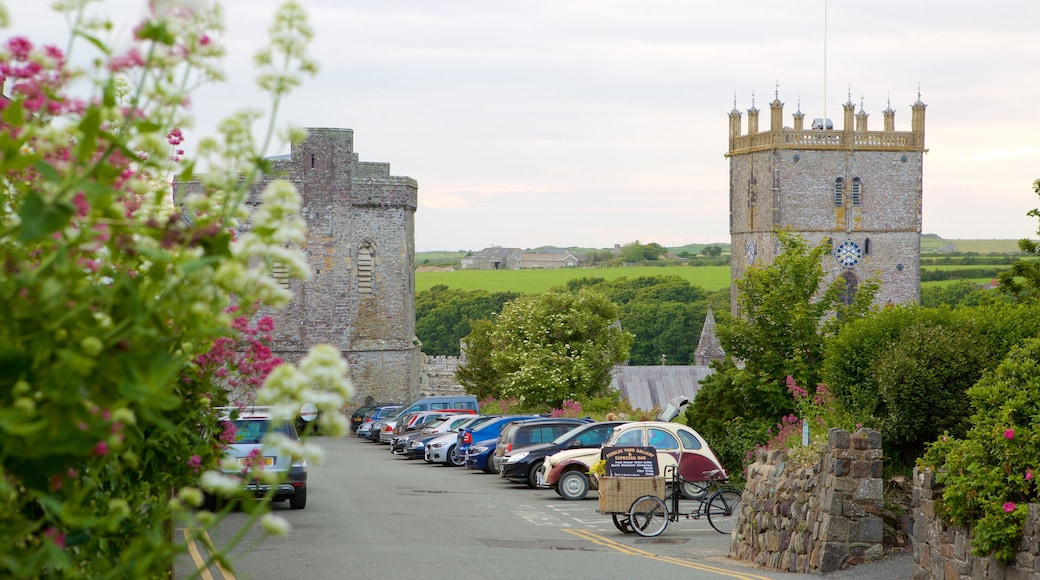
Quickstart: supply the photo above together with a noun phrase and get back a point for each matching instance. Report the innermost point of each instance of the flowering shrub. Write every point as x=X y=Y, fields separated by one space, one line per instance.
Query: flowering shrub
x=119 y=306
x=817 y=410
x=988 y=476
x=569 y=408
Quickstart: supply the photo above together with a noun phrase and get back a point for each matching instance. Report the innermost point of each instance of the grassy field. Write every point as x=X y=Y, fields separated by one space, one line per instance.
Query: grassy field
x=974 y=246
x=534 y=281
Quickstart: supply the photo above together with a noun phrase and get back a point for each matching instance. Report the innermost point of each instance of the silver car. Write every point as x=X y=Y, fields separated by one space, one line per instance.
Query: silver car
x=250 y=427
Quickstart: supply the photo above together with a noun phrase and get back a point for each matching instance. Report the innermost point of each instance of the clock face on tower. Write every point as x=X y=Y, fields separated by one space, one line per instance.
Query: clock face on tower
x=847 y=254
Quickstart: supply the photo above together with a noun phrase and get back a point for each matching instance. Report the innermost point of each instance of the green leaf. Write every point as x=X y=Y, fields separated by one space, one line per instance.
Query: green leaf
x=41 y=219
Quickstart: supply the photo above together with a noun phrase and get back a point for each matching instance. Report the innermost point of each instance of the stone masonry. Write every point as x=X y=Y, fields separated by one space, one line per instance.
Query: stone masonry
x=360 y=247
x=943 y=551
x=858 y=189
x=814 y=519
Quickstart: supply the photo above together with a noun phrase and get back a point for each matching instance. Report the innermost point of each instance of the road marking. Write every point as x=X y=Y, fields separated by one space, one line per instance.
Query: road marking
x=200 y=562
x=633 y=551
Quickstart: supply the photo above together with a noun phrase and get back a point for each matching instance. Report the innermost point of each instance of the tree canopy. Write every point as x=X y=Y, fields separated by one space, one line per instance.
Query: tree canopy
x=545 y=349
x=786 y=314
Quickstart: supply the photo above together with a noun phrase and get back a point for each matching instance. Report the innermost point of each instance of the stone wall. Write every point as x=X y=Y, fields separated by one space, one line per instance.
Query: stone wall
x=437 y=376
x=942 y=551
x=814 y=519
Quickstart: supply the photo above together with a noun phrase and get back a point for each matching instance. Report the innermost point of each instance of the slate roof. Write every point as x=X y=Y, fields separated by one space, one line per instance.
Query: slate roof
x=652 y=387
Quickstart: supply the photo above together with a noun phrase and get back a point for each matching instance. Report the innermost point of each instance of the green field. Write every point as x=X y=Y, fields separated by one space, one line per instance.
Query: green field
x=709 y=278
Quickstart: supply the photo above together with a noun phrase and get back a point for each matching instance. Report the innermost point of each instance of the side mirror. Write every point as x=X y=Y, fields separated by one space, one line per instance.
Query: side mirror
x=673 y=408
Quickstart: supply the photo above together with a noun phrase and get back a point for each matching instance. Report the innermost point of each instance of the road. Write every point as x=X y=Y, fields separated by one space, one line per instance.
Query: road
x=373 y=515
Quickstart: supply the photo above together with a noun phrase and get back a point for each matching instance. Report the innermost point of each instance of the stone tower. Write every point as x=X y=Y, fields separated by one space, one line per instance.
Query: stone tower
x=361 y=250
x=858 y=189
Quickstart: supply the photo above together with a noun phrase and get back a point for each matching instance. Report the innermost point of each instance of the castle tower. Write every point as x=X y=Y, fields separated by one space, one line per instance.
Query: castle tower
x=858 y=189
x=361 y=250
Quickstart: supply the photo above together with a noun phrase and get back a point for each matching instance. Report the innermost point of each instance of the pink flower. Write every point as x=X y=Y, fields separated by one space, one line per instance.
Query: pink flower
x=20 y=47
x=1009 y=507
x=55 y=536
x=1009 y=434
x=101 y=448
x=1029 y=473
x=194 y=463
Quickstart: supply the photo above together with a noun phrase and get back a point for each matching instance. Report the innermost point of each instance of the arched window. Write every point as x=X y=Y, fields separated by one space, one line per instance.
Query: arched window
x=857 y=189
x=839 y=191
x=365 y=266
x=851 y=286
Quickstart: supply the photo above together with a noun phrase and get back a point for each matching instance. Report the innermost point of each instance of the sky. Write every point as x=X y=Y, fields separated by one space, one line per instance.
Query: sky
x=590 y=123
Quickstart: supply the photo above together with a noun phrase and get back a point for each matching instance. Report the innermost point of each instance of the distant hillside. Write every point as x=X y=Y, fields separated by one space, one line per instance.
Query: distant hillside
x=930 y=243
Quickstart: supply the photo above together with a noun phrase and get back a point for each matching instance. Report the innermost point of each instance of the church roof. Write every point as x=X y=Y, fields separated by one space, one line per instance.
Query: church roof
x=652 y=387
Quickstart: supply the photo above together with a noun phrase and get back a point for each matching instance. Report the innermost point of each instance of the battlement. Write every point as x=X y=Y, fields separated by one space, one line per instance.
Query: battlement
x=853 y=136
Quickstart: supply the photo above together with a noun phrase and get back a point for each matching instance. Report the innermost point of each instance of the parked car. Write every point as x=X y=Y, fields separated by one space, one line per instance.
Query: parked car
x=358 y=416
x=486 y=434
x=416 y=421
x=530 y=432
x=490 y=429
x=250 y=427
x=374 y=415
x=478 y=455
x=527 y=464
x=413 y=445
x=676 y=444
x=566 y=472
x=440 y=403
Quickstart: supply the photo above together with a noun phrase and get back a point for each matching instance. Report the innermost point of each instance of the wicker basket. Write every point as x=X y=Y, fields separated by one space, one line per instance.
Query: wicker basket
x=616 y=494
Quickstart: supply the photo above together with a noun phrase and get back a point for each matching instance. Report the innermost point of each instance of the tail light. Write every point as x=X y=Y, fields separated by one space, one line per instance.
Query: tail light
x=388 y=429
x=509 y=448
x=467 y=437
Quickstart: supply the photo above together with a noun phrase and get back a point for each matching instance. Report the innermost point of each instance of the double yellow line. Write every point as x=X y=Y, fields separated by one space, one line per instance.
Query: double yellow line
x=633 y=551
x=199 y=560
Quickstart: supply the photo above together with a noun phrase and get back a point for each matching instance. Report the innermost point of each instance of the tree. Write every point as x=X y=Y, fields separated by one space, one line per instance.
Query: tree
x=786 y=314
x=906 y=370
x=111 y=299
x=712 y=250
x=636 y=252
x=1022 y=282
x=444 y=316
x=545 y=349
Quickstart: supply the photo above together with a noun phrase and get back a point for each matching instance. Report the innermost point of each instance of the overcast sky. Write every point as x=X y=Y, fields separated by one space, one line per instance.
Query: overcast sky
x=594 y=122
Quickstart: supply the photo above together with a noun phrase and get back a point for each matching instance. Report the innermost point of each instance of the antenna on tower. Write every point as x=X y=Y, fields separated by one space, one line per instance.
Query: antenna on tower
x=825 y=63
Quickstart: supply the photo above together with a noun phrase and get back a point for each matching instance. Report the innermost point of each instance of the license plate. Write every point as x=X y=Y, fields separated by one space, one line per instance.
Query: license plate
x=245 y=461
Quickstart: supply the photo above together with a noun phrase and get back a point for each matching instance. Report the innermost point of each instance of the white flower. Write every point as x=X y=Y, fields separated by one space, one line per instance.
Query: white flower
x=219 y=483
x=190 y=496
x=275 y=525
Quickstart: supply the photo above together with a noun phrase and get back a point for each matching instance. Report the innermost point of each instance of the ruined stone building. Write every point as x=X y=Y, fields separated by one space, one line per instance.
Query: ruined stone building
x=361 y=251
x=860 y=190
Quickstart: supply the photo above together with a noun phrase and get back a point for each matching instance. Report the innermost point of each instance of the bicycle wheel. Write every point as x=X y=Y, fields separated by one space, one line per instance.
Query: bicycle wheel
x=723 y=509
x=621 y=523
x=648 y=516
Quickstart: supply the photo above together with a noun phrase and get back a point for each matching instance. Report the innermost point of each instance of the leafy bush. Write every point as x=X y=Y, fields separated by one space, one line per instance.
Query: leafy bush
x=988 y=475
x=117 y=308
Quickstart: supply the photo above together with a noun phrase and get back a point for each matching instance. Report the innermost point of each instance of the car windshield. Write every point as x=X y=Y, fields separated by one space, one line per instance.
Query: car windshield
x=251 y=431
x=591 y=435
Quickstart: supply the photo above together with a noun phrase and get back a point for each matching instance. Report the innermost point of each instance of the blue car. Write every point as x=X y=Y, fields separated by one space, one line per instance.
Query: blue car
x=478 y=455
x=485 y=432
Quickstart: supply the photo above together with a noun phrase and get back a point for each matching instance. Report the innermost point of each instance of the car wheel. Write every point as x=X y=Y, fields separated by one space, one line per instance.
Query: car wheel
x=454 y=458
x=532 y=474
x=490 y=468
x=299 y=500
x=573 y=486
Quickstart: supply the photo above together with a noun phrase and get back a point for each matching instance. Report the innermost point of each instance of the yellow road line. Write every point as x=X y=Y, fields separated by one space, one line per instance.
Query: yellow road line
x=633 y=551
x=200 y=562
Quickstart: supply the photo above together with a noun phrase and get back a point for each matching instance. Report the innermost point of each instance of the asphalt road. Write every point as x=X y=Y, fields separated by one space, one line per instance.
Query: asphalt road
x=374 y=516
